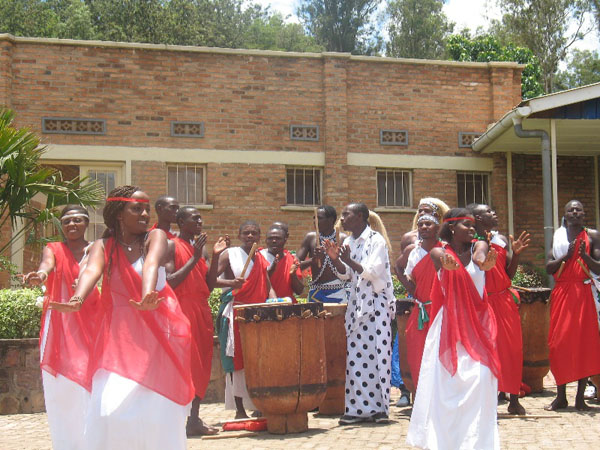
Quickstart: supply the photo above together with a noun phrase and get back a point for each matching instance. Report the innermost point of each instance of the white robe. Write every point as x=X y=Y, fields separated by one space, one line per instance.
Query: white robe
x=454 y=412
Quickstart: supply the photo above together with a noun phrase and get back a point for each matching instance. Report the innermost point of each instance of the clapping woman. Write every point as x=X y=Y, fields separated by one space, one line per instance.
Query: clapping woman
x=142 y=386
x=66 y=339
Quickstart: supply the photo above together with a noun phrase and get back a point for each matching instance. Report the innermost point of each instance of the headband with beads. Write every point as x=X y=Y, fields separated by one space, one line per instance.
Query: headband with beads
x=428 y=217
x=433 y=206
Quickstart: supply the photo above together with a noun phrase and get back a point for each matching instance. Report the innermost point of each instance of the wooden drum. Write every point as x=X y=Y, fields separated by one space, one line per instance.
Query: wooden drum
x=403 y=310
x=335 y=351
x=284 y=361
x=535 y=323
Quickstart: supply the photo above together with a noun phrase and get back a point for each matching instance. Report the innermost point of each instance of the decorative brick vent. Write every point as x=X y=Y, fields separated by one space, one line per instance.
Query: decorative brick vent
x=187 y=129
x=393 y=137
x=467 y=139
x=60 y=125
x=304 y=133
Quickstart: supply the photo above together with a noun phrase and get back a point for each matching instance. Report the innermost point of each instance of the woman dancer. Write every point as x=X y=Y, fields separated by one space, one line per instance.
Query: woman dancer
x=416 y=272
x=456 y=401
x=142 y=385
x=66 y=339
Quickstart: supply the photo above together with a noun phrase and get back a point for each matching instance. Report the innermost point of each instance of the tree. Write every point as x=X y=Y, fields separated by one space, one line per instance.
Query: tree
x=583 y=69
x=341 y=25
x=273 y=33
x=543 y=26
x=486 y=48
x=22 y=177
x=417 y=29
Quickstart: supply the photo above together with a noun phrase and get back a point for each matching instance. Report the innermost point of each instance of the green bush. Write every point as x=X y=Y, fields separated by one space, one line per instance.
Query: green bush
x=529 y=276
x=19 y=315
x=399 y=289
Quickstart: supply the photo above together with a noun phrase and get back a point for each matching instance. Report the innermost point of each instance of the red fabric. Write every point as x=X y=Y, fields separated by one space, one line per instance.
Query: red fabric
x=193 y=294
x=281 y=280
x=71 y=336
x=467 y=319
x=151 y=348
x=246 y=425
x=573 y=337
x=423 y=275
x=170 y=235
x=254 y=290
x=509 y=339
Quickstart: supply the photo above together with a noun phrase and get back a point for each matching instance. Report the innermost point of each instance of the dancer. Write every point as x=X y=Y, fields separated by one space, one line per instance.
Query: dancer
x=66 y=340
x=573 y=339
x=428 y=205
x=166 y=208
x=416 y=271
x=192 y=280
x=326 y=286
x=142 y=386
x=284 y=271
x=503 y=301
x=364 y=260
x=254 y=287
x=455 y=405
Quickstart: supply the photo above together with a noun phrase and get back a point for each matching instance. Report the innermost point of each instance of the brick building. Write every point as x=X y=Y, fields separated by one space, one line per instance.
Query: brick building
x=263 y=134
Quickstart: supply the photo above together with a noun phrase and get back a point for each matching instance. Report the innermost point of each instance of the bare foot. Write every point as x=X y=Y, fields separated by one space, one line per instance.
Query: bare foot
x=581 y=405
x=557 y=404
x=241 y=415
x=199 y=428
x=516 y=409
x=502 y=396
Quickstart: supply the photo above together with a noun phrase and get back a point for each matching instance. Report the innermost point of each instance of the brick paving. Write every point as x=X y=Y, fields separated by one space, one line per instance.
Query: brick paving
x=570 y=429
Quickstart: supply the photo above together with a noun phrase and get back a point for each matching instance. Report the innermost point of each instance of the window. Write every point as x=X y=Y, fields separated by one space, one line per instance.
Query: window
x=109 y=178
x=472 y=187
x=186 y=183
x=394 y=188
x=303 y=186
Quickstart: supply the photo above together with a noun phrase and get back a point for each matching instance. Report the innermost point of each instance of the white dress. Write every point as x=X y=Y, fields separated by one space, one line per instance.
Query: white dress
x=454 y=412
x=125 y=415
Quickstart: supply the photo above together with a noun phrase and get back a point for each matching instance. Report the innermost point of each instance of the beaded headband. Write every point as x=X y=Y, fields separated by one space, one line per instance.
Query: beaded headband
x=436 y=208
x=428 y=217
x=127 y=199
x=455 y=219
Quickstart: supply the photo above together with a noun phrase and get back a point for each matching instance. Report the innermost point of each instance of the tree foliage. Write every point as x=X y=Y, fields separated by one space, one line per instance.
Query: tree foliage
x=341 y=25
x=417 y=29
x=486 y=48
x=583 y=68
x=547 y=27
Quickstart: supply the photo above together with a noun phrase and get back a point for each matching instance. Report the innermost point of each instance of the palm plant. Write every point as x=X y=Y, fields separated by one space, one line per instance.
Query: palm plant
x=22 y=177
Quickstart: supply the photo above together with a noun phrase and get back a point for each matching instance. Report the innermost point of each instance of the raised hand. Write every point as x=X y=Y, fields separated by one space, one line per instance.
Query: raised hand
x=73 y=305
x=199 y=244
x=581 y=249
x=345 y=254
x=490 y=260
x=571 y=249
x=331 y=249
x=448 y=262
x=221 y=245
x=149 y=302
x=520 y=244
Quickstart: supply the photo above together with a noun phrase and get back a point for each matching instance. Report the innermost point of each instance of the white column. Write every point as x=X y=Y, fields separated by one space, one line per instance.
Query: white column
x=17 y=246
x=509 y=193
x=554 y=173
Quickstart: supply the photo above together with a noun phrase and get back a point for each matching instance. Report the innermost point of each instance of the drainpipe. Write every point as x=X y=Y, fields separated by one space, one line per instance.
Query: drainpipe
x=546 y=183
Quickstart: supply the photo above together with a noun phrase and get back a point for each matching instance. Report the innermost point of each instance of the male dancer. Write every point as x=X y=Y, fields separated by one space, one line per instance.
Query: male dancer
x=192 y=281
x=284 y=273
x=166 y=209
x=325 y=287
x=509 y=340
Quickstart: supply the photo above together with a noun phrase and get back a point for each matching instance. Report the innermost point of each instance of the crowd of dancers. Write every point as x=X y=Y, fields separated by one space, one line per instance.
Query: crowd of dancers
x=126 y=365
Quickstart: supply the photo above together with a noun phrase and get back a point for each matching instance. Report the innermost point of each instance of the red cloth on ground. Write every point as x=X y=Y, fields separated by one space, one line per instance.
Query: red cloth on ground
x=254 y=290
x=509 y=340
x=151 y=348
x=71 y=336
x=423 y=275
x=573 y=337
x=170 y=235
x=281 y=280
x=468 y=319
x=193 y=294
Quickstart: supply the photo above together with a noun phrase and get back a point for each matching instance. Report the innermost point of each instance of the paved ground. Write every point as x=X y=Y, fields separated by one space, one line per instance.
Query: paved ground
x=565 y=430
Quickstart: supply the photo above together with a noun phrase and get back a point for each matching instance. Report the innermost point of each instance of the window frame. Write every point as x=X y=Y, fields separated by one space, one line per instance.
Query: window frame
x=186 y=165
x=393 y=170
x=320 y=185
x=488 y=194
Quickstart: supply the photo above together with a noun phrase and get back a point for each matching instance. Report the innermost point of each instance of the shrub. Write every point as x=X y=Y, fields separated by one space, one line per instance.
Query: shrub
x=19 y=315
x=399 y=289
x=529 y=276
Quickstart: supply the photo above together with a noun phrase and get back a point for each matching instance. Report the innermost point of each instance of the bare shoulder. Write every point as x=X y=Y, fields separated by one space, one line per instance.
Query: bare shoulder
x=408 y=238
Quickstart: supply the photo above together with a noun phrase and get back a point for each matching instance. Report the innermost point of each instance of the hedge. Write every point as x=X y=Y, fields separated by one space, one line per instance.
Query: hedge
x=19 y=314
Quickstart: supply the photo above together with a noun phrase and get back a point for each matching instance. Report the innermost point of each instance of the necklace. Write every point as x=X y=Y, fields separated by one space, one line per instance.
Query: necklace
x=128 y=246
x=331 y=236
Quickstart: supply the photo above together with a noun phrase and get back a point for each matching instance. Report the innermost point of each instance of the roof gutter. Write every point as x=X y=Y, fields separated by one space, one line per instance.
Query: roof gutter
x=500 y=127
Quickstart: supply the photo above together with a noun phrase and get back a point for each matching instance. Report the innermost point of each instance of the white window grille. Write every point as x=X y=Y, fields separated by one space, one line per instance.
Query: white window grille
x=472 y=187
x=394 y=188
x=187 y=183
x=303 y=186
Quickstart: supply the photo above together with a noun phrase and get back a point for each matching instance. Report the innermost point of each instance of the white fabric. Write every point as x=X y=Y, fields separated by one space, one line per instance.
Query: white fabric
x=270 y=257
x=235 y=386
x=414 y=258
x=237 y=259
x=124 y=415
x=453 y=412
x=497 y=240
x=560 y=243
x=161 y=280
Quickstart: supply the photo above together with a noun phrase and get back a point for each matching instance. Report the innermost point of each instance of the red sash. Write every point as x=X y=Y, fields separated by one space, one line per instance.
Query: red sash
x=467 y=319
x=192 y=294
x=170 y=235
x=71 y=336
x=281 y=280
x=573 y=337
x=254 y=290
x=151 y=348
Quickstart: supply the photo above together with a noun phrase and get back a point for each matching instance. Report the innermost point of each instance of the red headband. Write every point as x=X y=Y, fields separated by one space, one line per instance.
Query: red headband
x=454 y=219
x=127 y=199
